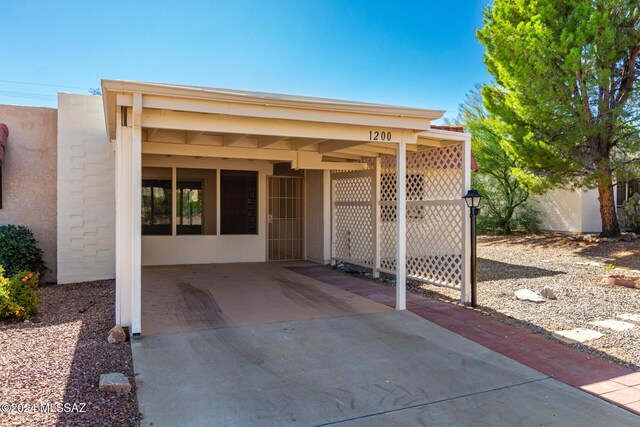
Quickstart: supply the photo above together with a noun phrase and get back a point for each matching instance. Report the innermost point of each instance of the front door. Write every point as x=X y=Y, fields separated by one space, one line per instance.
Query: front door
x=285 y=218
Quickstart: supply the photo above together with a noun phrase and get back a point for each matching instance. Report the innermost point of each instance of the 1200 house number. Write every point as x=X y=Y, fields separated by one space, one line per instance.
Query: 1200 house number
x=376 y=135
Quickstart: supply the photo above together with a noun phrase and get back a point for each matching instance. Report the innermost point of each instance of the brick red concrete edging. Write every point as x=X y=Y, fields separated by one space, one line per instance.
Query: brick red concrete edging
x=596 y=376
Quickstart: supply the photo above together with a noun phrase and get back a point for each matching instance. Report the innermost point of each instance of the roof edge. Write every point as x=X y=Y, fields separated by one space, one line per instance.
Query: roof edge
x=264 y=98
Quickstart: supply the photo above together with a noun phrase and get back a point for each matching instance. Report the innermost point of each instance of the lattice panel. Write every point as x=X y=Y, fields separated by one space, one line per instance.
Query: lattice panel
x=435 y=174
x=353 y=222
x=354 y=234
x=358 y=189
x=434 y=215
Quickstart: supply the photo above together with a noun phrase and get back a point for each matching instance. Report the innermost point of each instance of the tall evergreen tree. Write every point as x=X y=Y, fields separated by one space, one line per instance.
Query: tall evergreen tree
x=565 y=86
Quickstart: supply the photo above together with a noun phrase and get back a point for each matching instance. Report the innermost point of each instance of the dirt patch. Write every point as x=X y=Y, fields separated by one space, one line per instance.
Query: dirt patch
x=59 y=361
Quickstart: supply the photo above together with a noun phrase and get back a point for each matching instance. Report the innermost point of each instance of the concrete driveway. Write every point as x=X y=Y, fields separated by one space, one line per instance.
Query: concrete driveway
x=376 y=369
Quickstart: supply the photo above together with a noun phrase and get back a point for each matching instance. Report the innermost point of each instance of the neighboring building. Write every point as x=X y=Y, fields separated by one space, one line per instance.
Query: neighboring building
x=578 y=211
x=188 y=175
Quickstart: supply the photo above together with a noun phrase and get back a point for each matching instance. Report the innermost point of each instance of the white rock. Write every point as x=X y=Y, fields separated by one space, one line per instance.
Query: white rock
x=528 y=295
x=548 y=293
x=114 y=382
x=630 y=316
x=614 y=325
x=578 y=335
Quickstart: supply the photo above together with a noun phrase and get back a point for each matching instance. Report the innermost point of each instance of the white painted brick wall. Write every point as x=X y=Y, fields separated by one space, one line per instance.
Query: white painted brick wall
x=86 y=185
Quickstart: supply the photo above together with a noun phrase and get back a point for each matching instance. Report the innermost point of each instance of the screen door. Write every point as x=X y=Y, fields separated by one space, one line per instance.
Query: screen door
x=285 y=218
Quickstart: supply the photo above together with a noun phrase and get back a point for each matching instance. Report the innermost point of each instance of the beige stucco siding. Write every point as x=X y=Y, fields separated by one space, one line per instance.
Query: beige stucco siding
x=29 y=176
x=565 y=210
x=86 y=191
x=317 y=215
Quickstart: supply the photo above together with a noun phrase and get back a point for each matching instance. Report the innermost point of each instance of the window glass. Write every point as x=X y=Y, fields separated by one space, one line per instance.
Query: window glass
x=238 y=202
x=195 y=201
x=156 y=207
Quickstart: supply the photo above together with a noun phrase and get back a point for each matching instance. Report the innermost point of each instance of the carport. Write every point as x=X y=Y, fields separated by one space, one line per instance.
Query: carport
x=211 y=176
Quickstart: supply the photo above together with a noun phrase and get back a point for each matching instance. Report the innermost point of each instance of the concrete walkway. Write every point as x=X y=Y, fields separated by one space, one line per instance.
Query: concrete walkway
x=589 y=373
x=379 y=369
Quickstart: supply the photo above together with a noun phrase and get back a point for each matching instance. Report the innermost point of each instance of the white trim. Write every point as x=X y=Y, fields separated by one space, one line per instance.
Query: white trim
x=465 y=291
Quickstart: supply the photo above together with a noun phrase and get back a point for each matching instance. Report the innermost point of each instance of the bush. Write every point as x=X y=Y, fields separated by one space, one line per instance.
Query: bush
x=630 y=214
x=504 y=209
x=18 y=250
x=19 y=295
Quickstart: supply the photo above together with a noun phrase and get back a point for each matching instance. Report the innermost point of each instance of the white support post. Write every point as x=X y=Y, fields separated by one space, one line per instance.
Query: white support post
x=465 y=291
x=119 y=225
x=375 y=220
x=136 y=209
x=124 y=254
x=401 y=224
x=326 y=216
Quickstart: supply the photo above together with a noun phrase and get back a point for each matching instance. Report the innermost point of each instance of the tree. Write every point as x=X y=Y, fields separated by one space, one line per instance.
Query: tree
x=565 y=86
x=505 y=197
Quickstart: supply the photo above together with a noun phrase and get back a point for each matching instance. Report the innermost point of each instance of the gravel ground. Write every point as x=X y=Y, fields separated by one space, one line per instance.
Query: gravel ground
x=60 y=359
x=507 y=264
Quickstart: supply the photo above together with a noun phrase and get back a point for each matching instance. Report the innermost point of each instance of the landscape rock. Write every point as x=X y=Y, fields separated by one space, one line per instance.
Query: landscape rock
x=528 y=295
x=614 y=325
x=619 y=281
x=114 y=382
x=548 y=293
x=117 y=335
x=577 y=335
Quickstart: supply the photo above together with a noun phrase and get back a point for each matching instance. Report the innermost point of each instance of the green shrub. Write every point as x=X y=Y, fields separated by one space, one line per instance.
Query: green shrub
x=504 y=209
x=19 y=295
x=18 y=250
x=630 y=214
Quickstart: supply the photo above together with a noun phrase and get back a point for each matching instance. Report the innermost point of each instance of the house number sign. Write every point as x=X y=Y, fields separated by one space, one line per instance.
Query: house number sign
x=376 y=135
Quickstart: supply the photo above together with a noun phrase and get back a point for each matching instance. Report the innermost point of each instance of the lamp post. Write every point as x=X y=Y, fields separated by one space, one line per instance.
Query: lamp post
x=472 y=199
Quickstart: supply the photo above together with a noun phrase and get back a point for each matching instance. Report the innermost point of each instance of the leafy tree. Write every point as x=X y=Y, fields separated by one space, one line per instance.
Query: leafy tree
x=565 y=87
x=505 y=203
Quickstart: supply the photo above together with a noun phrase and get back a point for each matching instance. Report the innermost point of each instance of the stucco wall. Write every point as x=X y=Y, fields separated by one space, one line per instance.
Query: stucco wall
x=317 y=215
x=203 y=249
x=86 y=198
x=29 y=176
x=570 y=211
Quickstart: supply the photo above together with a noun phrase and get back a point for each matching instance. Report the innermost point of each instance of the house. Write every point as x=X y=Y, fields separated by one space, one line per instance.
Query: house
x=578 y=210
x=157 y=174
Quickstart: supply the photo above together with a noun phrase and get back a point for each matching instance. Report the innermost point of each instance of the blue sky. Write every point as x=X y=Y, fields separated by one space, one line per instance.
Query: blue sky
x=410 y=53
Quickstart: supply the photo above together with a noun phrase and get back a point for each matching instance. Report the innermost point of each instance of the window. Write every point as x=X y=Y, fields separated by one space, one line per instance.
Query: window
x=625 y=190
x=195 y=201
x=156 y=207
x=189 y=207
x=238 y=202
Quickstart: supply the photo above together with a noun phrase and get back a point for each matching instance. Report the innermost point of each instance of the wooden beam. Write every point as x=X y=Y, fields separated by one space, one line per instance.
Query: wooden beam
x=192 y=136
x=221 y=123
x=329 y=146
x=359 y=153
x=298 y=143
x=151 y=133
x=232 y=139
x=267 y=141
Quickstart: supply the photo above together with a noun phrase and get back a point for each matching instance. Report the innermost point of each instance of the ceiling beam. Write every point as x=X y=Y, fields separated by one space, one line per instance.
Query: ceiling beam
x=151 y=133
x=221 y=123
x=329 y=146
x=231 y=139
x=266 y=141
x=192 y=136
x=298 y=143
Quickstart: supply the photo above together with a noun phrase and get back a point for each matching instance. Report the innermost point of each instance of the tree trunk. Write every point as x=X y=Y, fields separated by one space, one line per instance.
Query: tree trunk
x=608 y=217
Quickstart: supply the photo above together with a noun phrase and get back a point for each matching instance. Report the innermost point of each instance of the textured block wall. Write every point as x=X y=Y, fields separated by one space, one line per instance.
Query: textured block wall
x=86 y=185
